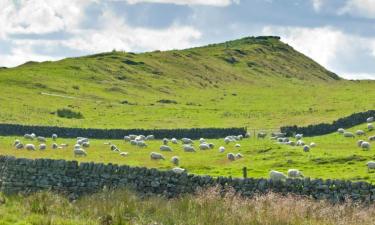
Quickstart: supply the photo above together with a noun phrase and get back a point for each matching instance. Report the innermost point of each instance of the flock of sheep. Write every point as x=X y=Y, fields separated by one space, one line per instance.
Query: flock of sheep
x=187 y=145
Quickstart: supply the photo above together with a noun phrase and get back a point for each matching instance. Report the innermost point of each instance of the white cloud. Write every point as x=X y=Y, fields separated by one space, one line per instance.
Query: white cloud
x=317 y=4
x=360 y=8
x=218 y=3
x=330 y=47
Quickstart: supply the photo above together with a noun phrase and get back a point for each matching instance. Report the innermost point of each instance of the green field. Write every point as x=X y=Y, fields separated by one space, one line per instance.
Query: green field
x=258 y=83
x=334 y=157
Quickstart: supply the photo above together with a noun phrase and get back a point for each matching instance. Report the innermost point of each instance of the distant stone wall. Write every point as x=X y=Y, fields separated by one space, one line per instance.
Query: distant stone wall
x=68 y=177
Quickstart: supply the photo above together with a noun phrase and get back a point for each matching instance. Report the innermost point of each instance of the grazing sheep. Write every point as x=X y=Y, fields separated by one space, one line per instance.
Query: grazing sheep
x=113 y=148
x=221 y=149
x=370 y=119
x=299 y=136
x=19 y=146
x=28 y=137
x=175 y=160
x=132 y=136
x=16 y=142
x=64 y=145
x=81 y=140
x=165 y=141
x=227 y=140
x=54 y=137
x=30 y=147
x=55 y=146
x=240 y=137
x=201 y=140
x=360 y=132
x=277 y=176
x=359 y=143
x=365 y=145
x=278 y=134
x=41 y=139
x=150 y=137
x=186 y=141
x=189 y=148
x=300 y=143
x=204 y=146
x=370 y=127
x=291 y=143
x=42 y=147
x=261 y=135
x=371 y=138
x=174 y=141
x=126 y=138
x=79 y=152
x=86 y=144
x=156 y=156
x=77 y=146
x=312 y=145
x=239 y=156
x=371 y=165
x=247 y=135
x=306 y=148
x=211 y=145
x=124 y=154
x=178 y=170
x=237 y=145
x=294 y=173
x=133 y=142
x=140 y=138
x=165 y=148
x=231 y=156
x=348 y=134
x=341 y=130
x=141 y=144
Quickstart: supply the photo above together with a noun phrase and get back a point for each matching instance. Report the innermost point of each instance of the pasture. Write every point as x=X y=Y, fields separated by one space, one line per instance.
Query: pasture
x=334 y=156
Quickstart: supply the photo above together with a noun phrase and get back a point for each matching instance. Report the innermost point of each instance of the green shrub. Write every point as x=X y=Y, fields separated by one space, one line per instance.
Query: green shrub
x=68 y=113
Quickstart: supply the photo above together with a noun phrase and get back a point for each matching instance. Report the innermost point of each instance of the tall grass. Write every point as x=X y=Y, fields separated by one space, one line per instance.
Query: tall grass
x=206 y=207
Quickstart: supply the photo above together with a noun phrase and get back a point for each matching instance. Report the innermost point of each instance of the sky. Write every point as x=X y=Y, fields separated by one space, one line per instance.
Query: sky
x=338 y=34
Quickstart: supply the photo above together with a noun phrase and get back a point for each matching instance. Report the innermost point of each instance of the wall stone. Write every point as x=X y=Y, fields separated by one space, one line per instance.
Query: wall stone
x=73 y=179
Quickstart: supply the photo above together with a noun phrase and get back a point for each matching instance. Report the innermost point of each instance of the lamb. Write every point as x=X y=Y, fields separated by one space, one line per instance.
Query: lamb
x=348 y=134
x=312 y=145
x=188 y=148
x=294 y=173
x=360 y=132
x=299 y=136
x=237 y=145
x=239 y=156
x=175 y=160
x=277 y=176
x=174 y=141
x=42 y=147
x=30 y=147
x=306 y=148
x=231 y=156
x=221 y=149
x=370 y=127
x=156 y=156
x=261 y=135
x=371 y=138
x=341 y=130
x=201 y=140
x=359 y=143
x=77 y=146
x=365 y=145
x=126 y=138
x=150 y=137
x=124 y=154
x=54 y=137
x=79 y=152
x=178 y=170
x=141 y=144
x=371 y=165
x=370 y=119
x=186 y=141
x=133 y=142
x=165 y=141
x=204 y=146
x=165 y=148
x=19 y=146
x=55 y=146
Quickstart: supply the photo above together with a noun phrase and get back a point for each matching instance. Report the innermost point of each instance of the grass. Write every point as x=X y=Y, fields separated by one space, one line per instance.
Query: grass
x=268 y=85
x=207 y=207
x=334 y=157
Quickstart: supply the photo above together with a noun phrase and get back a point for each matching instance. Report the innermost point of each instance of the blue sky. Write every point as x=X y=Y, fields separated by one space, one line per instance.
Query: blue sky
x=339 y=34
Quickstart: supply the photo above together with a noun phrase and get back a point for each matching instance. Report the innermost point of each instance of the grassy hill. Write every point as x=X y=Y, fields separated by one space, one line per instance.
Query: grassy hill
x=256 y=82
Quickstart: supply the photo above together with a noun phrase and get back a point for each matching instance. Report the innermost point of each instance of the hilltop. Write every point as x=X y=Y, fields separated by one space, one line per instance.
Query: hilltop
x=259 y=82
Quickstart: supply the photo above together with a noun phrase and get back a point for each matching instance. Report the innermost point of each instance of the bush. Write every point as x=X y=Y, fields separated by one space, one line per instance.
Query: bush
x=68 y=113
x=167 y=101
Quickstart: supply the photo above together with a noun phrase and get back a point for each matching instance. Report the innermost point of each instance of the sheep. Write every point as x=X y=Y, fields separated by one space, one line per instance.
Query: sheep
x=204 y=146
x=156 y=156
x=28 y=137
x=300 y=143
x=211 y=145
x=64 y=145
x=277 y=176
x=19 y=146
x=178 y=170
x=86 y=144
x=30 y=147
x=365 y=145
x=371 y=138
x=41 y=139
x=165 y=148
x=237 y=145
x=141 y=144
x=261 y=135
x=141 y=138
x=133 y=142
x=312 y=145
x=291 y=143
x=370 y=119
x=175 y=160
x=165 y=141
x=221 y=149
x=42 y=147
x=54 y=146
x=341 y=130
x=77 y=146
x=54 y=137
x=360 y=132
x=278 y=135
x=370 y=127
x=247 y=135
x=240 y=137
x=113 y=147
x=370 y=165
x=201 y=140
x=132 y=136
x=294 y=173
x=188 y=148
x=239 y=156
x=16 y=142
x=81 y=140
x=126 y=138
x=227 y=140
x=359 y=143
x=174 y=141
x=231 y=156
x=299 y=136
x=306 y=148
x=79 y=152
x=348 y=134
x=33 y=136
x=150 y=137
x=186 y=141
x=124 y=154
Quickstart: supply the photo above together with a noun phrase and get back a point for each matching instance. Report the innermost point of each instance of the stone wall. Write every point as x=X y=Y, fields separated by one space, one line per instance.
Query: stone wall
x=69 y=177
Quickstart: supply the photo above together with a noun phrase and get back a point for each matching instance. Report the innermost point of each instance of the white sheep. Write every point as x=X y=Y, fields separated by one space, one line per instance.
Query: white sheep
x=312 y=145
x=359 y=143
x=294 y=173
x=175 y=160
x=165 y=148
x=30 y=147
x=204 y=146
x=360 y=132
x=141 y=144
x=371 y=165
x=231 y=156
x=42 y=147
x=79 y=152
x=371 y=138
x=16 y=142
x=221 y=149
x=370 y=127
x=126 y=138
x=150 y=137
x=174 y=141
x=306 y=148
x=300 y=143
x=365 y=145
x=165 y=141
x=211 y=145
x=237 y=145
x=132 y=136
x=64 y=145
x=124 y=154
x=186 y=141
x=156 y=156
x=133 y=142
x=201 y=140
x=348 y=134
x=239 y=156
x=227 y=140
x=86 y=144
x=291 y=143
x=240 y=137
x=299 y=136
x=19 y=146
x=277 y=176
x=178 y=170
x=189 y=148
x=341 y=130
x=28 y=137
x=54 y=137
x=55 y=146
x=370 y=119
x=41 y=139
x=77 y=146
x=261 y=135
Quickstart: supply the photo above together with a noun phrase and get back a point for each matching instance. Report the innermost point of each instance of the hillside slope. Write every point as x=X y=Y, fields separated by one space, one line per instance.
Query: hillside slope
x=256 y=82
